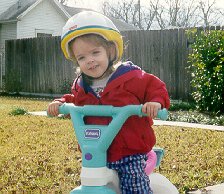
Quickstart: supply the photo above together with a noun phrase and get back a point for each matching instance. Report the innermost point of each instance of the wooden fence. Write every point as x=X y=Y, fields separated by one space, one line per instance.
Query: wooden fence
x=42 y=67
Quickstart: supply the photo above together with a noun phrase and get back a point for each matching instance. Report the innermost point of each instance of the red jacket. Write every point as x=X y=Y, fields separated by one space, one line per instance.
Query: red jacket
x=128 y=85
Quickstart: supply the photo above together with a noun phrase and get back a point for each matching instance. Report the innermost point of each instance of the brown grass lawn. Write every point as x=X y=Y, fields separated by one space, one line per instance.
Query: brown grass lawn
x=39 y=154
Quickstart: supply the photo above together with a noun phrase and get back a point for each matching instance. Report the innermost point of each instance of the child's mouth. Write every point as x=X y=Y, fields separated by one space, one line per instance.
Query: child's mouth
x=93 y=67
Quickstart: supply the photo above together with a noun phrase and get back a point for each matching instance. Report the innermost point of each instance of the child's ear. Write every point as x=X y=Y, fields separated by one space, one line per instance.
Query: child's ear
x=112 y=52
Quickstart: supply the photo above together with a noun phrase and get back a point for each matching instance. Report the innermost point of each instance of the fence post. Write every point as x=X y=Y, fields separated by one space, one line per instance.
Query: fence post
x=1 y=71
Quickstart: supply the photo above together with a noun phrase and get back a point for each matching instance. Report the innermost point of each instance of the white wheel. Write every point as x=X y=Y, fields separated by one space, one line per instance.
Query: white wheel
x=161 y=185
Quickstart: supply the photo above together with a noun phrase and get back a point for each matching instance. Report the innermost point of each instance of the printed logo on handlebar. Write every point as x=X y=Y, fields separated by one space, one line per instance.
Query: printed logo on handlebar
x=92 y=133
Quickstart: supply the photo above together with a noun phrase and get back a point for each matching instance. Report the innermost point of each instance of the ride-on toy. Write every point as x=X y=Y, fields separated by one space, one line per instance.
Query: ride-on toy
x=94 y=140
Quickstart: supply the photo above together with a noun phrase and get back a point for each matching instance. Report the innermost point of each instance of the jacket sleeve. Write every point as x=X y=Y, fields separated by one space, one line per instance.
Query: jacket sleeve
x=155 y=90
x=68 y=98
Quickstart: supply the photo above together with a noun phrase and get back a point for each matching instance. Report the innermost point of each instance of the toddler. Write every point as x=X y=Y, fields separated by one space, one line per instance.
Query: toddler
x=95 y=45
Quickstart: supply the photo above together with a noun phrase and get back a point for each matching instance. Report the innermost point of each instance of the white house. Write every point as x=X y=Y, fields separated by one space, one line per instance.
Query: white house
x=33 y=18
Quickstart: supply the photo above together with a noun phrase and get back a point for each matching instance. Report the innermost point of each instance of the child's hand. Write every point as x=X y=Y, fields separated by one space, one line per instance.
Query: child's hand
x=151 y=109
x=53 y=107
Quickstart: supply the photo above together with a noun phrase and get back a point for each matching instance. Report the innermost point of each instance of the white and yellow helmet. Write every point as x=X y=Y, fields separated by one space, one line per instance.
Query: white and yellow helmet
x=90 y=22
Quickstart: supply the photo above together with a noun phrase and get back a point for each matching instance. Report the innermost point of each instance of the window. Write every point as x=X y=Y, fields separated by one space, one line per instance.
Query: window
x=43 y=32
x=43 y=35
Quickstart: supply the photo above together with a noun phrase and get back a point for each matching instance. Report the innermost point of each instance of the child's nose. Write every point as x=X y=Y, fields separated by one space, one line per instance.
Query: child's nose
x=90 y=60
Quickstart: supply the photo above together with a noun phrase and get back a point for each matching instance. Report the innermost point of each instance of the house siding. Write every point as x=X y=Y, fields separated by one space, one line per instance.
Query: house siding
x=7 y=32
x=44 y=17
x=5 y=4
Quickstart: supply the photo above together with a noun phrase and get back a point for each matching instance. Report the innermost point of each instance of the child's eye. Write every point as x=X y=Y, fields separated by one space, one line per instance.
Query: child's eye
x=80 y=58
x=96 y=52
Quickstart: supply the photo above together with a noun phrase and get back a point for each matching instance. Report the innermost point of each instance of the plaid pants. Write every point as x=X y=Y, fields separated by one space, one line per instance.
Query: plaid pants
x=131 y=172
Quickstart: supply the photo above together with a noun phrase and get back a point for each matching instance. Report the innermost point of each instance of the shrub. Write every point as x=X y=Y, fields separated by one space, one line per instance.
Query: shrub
x=65 y=87
x=182 y=106
x=12 y=82
x=207 y=70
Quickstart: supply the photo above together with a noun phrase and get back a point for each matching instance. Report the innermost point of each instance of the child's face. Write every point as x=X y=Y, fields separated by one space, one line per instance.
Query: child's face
x=92 y=58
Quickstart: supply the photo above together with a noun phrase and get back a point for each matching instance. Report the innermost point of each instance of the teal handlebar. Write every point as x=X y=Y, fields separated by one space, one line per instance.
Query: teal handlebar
x=107 y=110
x=94 y=140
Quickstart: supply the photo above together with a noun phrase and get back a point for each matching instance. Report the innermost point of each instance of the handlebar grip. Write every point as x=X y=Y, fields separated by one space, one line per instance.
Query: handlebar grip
x=163 y=114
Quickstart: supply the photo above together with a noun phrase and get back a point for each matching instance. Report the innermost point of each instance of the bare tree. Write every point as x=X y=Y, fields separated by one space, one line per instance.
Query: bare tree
x=210 y=14
x=176 y=13
x=221 y=12
x=165 y=13
x=188 y=13
x=123 y=10
x=187 y=16
x=159 y=12
x=64 y=2
x=150 y=14
x=129 y=11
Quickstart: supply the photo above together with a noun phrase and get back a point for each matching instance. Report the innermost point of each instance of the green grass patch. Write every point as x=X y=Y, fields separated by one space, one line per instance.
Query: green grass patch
x=18 y=111
x=39 y=154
